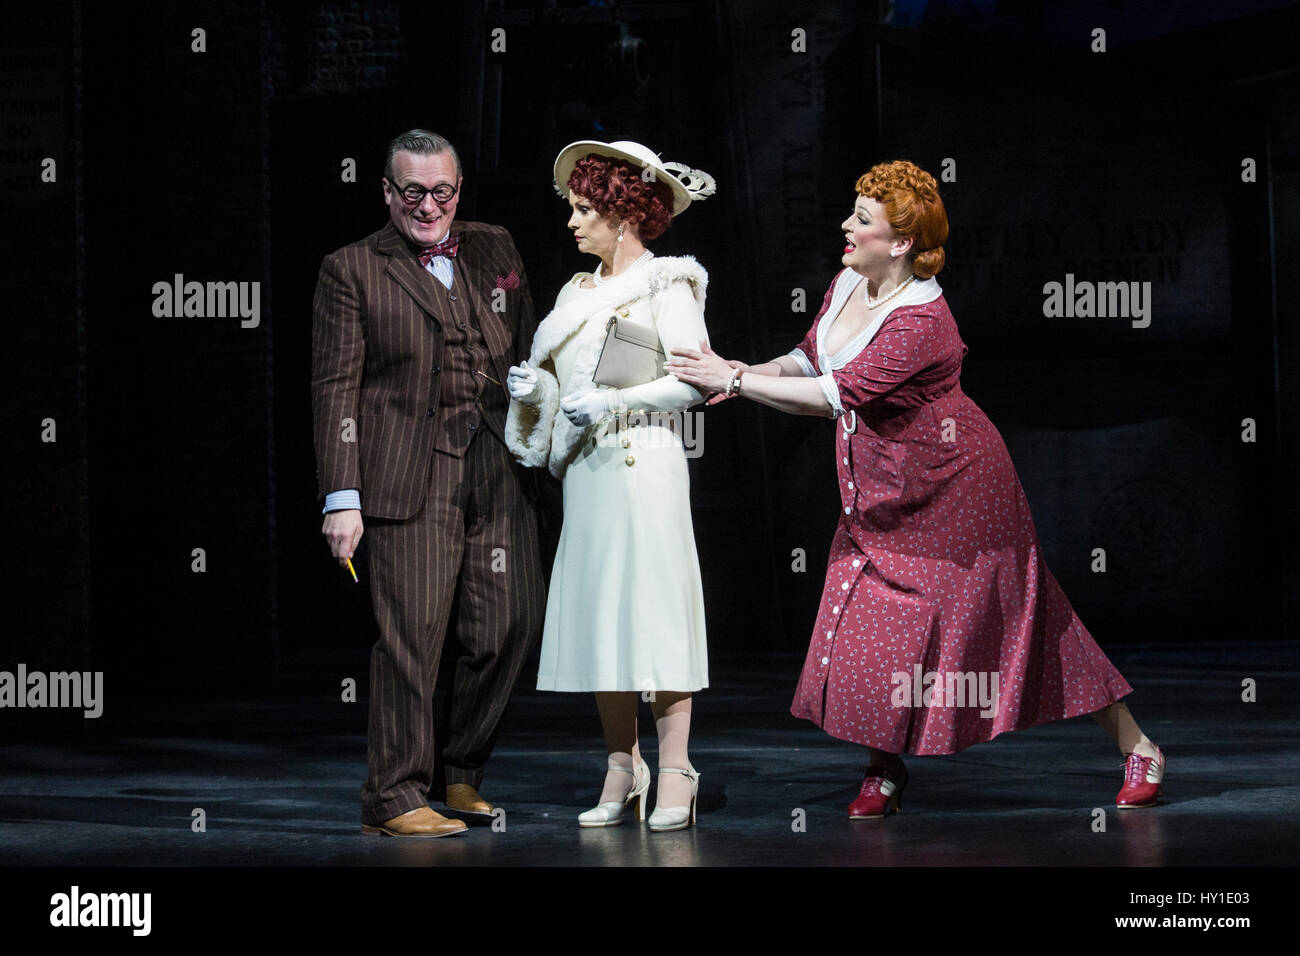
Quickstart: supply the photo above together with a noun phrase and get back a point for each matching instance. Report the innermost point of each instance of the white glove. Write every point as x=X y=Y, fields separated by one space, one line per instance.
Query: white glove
x=521 y=381
x=666 y=394
x=586 y=407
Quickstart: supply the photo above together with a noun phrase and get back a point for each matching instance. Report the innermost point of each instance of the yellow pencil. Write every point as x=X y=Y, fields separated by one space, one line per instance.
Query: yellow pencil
x=353 y=570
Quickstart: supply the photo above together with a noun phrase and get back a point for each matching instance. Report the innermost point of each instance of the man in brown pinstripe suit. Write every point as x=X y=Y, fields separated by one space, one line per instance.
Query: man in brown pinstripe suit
x=413 y=330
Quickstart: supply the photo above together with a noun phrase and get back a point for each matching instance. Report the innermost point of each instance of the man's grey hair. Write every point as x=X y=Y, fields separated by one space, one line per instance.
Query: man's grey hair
x=422 y=143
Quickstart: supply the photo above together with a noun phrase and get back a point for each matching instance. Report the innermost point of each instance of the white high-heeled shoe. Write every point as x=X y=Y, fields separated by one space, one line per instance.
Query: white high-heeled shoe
x=677 y=818
x=610 y=814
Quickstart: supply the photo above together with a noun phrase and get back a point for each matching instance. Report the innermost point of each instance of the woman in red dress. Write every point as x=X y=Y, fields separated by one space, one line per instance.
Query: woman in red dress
x=940 y=625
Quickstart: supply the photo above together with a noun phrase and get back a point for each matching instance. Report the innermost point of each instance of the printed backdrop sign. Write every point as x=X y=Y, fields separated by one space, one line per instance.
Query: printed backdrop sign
x=32 y=110
x=1121 y=201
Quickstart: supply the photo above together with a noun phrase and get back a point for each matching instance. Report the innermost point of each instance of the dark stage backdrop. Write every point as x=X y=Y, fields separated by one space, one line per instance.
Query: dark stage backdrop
x=160 y=473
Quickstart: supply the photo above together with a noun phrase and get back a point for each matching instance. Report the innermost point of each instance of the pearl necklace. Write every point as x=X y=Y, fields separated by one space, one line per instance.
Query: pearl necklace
x=876 y=303
x=597 y=280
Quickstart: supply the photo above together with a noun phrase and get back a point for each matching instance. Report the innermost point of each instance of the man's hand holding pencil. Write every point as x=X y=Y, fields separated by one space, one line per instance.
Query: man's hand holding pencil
x=343 y=530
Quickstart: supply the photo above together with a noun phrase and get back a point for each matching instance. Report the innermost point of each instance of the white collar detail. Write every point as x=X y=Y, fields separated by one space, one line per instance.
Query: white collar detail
x=920 y=292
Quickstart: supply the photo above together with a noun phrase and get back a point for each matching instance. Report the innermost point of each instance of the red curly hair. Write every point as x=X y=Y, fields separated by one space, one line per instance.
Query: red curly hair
x=913 y=207
x=615 y=187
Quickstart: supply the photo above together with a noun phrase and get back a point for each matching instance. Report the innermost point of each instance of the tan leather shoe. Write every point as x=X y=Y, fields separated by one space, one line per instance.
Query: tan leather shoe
x=420 y=822
x=465 y=803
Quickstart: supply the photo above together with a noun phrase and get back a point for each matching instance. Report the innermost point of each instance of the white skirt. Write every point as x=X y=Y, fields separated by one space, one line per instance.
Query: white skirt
x=626 y=607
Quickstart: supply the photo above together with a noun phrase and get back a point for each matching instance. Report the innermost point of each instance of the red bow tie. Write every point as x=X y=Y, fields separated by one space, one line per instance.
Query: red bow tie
x=445 y=248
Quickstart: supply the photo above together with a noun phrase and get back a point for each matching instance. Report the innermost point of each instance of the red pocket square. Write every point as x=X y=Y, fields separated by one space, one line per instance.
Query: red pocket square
x=508 y=282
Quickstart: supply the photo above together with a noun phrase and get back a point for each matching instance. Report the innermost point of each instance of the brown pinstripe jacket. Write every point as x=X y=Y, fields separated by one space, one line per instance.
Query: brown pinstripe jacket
x=376 y=349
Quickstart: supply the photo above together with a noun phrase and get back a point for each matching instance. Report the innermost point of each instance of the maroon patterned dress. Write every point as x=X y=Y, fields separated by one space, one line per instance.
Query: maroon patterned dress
x=936 y=580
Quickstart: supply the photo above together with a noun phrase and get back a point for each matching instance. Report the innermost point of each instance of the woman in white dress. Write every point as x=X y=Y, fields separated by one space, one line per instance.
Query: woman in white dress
x=625 y=614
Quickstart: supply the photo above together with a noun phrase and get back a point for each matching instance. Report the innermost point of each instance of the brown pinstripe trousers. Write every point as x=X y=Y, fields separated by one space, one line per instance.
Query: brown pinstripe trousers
x=476 y=531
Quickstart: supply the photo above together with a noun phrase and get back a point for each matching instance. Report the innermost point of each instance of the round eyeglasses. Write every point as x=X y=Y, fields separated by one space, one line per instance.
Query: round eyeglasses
x=413 y=193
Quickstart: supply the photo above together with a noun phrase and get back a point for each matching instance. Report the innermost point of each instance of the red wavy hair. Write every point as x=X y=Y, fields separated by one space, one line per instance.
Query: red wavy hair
x=615 y=187
x=913 y=207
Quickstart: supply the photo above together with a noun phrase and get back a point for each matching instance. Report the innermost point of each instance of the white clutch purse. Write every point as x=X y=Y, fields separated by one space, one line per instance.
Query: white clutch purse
x=630 y=356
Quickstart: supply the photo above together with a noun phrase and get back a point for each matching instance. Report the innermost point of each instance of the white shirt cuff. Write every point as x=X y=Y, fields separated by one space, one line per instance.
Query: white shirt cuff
x=832 y=393
x=805 y=366
x=348 y=499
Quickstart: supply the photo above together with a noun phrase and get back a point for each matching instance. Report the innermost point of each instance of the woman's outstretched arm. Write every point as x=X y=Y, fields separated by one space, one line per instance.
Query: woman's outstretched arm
x=779 y=384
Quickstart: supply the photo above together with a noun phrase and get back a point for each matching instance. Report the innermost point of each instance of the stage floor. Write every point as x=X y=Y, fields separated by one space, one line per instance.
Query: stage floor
x=279 y=779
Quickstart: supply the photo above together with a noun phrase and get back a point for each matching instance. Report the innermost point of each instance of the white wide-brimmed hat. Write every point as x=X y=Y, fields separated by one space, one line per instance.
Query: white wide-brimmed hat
x=686 y=183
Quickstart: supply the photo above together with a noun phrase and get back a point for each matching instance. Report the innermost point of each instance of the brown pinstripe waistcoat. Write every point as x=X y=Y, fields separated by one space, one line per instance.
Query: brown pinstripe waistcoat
x=377 y=349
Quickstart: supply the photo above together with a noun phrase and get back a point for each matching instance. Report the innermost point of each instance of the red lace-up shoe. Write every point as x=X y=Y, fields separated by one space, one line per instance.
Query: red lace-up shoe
x=881 y=793
x=1142 y=776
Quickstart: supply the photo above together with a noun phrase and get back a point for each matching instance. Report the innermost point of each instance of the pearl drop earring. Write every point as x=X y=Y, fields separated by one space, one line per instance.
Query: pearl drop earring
x=620 y=232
